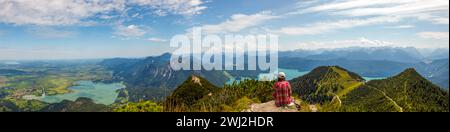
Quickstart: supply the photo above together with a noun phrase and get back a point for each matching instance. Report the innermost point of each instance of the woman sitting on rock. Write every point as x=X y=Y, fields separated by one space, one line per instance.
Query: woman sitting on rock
x=283 y=92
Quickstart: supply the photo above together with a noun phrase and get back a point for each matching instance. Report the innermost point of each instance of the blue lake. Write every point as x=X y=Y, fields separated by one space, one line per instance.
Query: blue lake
x=290 y=74
x=374 y=78
x=99 y=92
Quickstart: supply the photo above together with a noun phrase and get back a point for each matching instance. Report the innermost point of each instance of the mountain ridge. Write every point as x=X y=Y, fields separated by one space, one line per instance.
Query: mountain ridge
x=325 y=82
x=152 y=78
x=406 y=92
x=188 y=93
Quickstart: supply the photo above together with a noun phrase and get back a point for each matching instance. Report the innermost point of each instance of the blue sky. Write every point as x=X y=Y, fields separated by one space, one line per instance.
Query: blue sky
x=72 y=29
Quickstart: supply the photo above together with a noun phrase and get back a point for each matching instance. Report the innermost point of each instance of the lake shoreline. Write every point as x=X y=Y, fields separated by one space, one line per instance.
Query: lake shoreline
x=102 y=93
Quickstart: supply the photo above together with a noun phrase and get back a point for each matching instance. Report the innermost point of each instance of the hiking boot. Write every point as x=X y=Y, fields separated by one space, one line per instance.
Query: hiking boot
x=291 y=104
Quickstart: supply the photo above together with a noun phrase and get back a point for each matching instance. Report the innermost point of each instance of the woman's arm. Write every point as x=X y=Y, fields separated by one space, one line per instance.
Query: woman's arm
x=274 y=94
x=290 y=89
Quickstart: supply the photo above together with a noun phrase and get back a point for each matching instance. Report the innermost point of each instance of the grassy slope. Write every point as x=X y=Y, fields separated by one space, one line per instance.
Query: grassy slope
x=407 y=92
x=324 y=83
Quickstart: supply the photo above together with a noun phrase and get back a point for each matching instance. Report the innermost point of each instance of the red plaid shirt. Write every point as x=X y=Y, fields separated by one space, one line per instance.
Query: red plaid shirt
x=282 y=93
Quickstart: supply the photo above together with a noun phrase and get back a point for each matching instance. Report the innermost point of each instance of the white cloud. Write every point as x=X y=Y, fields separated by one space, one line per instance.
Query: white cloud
x=407 y=8
x=179 y=7
x=239 y=22
x=434 y=35
x=362 y=42
x=350 y=4
x=435 y=11
x=131 y=31
x=71 y=12
x=330 y=26
x=402 y=26
x=306 y=3
x=440 y=20
x=157 y=40
x=357 y=13
x=49 y=32
x=53 y=12
x=435 y=19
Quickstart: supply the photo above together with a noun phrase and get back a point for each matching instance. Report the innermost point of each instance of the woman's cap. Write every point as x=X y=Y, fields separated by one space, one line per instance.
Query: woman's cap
x=281 y=74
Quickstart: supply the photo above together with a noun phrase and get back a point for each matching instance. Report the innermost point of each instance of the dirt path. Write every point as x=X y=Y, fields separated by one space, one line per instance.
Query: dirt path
x=313 y=108
x=269 y=107
x=400 y=109
x=336 y=97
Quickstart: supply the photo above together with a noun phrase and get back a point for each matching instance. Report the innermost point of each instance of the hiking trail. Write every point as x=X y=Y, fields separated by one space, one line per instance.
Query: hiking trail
x=270 y=107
